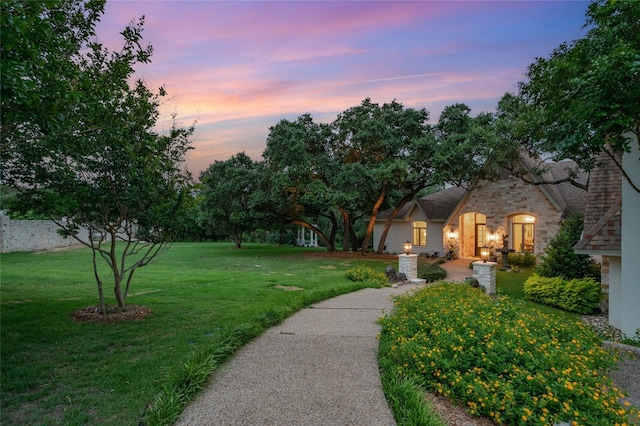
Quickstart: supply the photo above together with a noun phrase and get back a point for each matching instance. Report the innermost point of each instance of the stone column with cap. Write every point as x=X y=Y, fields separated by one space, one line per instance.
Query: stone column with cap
x=485 y=273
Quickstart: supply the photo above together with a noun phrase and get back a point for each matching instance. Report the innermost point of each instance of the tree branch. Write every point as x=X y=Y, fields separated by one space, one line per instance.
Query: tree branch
x=619 y=166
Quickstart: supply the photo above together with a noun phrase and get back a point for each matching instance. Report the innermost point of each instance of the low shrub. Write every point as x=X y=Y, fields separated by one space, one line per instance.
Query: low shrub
x=365 y=274
x=501 y=359
x=433 y=273
x=581 y=296
x=524 y=260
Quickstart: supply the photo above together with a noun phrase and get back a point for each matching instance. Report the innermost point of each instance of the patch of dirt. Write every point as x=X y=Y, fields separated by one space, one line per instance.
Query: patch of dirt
x=455 y=415
x=113 y=315
x=287 y=287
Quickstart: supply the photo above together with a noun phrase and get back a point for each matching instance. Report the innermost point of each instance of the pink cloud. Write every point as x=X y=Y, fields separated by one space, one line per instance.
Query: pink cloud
x=238 y=67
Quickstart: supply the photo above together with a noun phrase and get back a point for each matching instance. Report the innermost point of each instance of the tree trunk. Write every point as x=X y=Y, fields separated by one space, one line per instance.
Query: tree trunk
x=385 y=231
x=117 y=277
x=237 y=239
x=330 y=247
x=387 y=224
x=372 y=220
x=103 y=306
x=334 y=229
x=346 y=229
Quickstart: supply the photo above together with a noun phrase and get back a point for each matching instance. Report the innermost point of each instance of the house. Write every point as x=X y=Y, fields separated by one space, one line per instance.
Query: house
x=611 y=228
x=529 y=215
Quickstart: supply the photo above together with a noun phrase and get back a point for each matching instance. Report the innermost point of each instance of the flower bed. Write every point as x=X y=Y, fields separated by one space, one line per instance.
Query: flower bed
x=501 y=359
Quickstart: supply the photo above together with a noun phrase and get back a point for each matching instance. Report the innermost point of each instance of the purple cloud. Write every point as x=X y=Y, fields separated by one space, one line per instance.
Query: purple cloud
x=241 y=66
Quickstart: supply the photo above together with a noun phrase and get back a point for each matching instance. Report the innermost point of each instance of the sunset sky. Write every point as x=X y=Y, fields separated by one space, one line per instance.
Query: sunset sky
x=239 y=67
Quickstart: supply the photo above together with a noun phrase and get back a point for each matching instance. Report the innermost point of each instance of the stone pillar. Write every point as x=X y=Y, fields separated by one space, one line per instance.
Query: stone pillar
x=408 y=265
x=485 y=273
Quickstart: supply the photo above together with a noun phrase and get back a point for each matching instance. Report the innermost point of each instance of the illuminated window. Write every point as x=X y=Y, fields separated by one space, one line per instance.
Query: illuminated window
x=419 y=233
x=523 y=228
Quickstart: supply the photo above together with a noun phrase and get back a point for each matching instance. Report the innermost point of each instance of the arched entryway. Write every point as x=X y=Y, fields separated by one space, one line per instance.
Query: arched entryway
x=473 y=234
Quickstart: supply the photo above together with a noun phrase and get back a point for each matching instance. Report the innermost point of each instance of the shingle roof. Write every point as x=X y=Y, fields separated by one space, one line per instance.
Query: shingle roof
x=437 y=206
x=567 y=198
x=603 y=215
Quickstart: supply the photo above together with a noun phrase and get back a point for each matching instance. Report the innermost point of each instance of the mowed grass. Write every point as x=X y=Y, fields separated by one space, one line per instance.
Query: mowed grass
x=57 y=371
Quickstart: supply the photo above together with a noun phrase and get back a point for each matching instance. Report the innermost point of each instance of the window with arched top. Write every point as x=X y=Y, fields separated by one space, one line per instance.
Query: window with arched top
x=419 y=233
x=523 y=231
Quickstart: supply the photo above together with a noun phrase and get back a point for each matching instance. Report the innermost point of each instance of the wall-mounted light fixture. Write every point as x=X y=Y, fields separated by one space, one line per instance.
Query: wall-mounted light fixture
x=452 y=235
x=407 y=247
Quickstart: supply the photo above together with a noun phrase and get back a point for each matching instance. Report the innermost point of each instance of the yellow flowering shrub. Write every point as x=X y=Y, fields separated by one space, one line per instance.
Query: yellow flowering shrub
x=367 y=275
x=501 y=359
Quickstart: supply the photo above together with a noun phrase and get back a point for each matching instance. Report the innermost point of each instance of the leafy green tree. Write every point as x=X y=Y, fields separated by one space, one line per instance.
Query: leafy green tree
x=297 y=185
x=468 y=148
x=583 y=99
x=93 y=162
x=559 y=259
x=382 y=150
x=40 y=45
x=371 y=157
x=228 y=188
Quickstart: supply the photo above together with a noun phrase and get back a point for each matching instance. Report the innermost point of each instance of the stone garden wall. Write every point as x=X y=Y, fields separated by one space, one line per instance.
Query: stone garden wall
x=30 y=235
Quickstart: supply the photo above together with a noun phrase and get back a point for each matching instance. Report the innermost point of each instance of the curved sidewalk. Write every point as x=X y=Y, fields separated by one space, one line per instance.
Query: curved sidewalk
x=319 y=367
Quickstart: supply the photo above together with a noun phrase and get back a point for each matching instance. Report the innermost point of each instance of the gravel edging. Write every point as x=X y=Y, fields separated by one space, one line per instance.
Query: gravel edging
x=622 y=346
x=626 y=374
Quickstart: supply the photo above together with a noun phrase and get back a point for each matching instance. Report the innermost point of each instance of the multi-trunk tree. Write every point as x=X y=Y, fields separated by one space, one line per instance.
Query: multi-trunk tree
x=383 y=151
x=370 y=158
x=78 y=137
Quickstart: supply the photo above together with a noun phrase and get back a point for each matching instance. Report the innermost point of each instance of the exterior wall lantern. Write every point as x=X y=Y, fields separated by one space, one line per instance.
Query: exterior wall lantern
x=407 y=247
x=484 y=253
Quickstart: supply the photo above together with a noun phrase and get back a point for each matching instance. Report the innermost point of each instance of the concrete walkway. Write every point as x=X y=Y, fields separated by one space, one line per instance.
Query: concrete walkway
x=319 y=367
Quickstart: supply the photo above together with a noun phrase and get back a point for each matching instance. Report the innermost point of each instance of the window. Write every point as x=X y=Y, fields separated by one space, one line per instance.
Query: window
x=481 y=233
x=419 y=233
x=523 y=231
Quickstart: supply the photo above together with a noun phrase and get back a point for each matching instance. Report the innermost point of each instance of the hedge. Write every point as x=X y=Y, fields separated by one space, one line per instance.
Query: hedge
x=581 y=296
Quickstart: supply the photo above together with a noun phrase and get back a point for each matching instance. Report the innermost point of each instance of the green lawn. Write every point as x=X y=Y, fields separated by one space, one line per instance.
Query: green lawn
x=56 y=371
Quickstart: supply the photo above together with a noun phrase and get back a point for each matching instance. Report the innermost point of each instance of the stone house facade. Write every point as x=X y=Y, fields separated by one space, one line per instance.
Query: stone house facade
x=602 y=233
x=525 y=215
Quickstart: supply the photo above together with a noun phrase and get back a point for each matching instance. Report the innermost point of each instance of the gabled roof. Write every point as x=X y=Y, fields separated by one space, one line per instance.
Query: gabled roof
x=603 y=216
x=567 y=198
x=437 y=206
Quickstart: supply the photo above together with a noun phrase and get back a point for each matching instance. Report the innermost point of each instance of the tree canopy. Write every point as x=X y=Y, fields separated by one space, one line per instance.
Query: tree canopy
x=583 y=99
x=371 y=157
x=228 y=191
